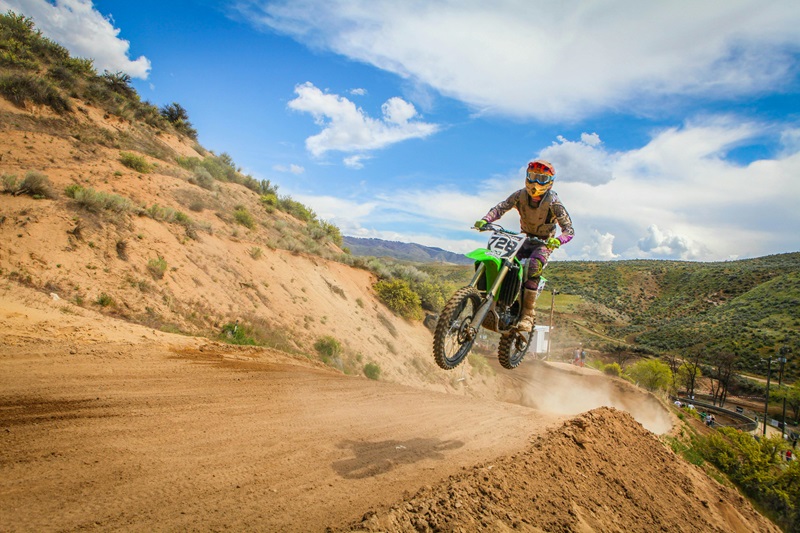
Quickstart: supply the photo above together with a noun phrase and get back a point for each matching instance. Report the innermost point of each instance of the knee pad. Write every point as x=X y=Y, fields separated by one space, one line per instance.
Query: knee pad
x=535 y=267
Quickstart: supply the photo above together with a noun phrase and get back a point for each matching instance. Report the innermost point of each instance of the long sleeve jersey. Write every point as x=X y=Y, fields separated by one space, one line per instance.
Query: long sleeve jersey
x=536 y=218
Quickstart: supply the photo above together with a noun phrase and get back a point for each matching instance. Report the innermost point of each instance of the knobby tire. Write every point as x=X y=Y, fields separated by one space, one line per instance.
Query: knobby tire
x=452 y=328
x=510 y=353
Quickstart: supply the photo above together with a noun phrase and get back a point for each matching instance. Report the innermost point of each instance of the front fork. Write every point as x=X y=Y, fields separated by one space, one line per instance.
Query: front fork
x=489 y=302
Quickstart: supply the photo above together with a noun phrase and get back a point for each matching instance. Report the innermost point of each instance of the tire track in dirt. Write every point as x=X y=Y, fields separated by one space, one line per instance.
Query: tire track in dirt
x=233 y=440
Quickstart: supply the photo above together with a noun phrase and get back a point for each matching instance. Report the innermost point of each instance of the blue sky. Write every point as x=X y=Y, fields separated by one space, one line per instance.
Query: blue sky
x=674 y=126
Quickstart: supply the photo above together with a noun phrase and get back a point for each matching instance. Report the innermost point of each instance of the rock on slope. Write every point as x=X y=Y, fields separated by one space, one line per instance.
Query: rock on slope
x=600 y=471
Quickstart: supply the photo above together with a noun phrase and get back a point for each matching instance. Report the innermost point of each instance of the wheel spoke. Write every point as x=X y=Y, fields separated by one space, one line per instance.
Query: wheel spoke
x=453 y=337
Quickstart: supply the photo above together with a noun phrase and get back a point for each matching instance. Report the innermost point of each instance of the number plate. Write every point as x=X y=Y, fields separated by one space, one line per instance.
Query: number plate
x=503 y=245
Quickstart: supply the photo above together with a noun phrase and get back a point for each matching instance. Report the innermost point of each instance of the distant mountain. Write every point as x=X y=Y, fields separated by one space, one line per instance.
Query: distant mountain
x=403 y=250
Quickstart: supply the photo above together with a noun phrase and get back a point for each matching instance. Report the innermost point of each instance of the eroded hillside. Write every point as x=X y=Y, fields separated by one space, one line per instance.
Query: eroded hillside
x=185 y=257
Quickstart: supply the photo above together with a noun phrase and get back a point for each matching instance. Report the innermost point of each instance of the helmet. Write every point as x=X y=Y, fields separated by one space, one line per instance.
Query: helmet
x=539 y=178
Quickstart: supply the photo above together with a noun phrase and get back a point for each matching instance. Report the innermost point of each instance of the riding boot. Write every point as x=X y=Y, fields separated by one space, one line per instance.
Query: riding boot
x=528 y=317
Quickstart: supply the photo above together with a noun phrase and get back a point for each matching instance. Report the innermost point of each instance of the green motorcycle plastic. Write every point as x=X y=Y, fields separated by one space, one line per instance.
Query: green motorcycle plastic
x=492 y=301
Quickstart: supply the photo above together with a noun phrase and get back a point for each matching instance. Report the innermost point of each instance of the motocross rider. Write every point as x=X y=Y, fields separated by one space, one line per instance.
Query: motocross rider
x=539 y=210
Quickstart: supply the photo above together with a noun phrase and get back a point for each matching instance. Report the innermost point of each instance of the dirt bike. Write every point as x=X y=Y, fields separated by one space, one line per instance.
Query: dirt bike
x=492 y=300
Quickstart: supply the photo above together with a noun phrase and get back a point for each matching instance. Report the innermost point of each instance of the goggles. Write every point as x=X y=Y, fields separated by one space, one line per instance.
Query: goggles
x=541 y=179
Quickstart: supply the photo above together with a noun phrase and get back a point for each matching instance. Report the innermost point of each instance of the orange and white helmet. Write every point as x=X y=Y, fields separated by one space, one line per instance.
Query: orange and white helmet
x=540 y=177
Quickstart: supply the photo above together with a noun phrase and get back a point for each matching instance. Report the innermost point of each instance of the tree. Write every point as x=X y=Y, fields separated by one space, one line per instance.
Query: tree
x=119 y=82
x=179 y=118
x=687 y=376
x=174 y=112
x=652 y=374
x=620 y=353
x=674 y=364
x=792 y=396
x=692 y=372
x=724 y=365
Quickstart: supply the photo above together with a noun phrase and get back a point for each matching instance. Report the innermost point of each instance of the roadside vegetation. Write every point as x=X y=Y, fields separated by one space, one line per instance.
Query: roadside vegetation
x=755 y=465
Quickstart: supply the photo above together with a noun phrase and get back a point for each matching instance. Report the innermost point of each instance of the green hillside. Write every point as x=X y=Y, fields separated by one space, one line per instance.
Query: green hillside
x=748 y=307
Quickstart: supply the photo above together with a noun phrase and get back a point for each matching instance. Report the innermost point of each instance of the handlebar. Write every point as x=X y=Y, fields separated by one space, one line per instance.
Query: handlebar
x=490 y=226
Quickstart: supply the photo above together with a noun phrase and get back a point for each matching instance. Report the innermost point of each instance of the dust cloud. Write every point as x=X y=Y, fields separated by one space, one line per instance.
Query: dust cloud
x=563 y=389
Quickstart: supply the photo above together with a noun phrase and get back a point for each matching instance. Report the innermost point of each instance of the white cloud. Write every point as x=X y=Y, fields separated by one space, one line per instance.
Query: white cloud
x=600 y=247
x=584 y=161
x=790 y=141
x=348 y=215
x=347 y=128
x=294 y=169
x=82 y=30
x=355 y=161
x=677 y=197
x=664 y=245
x=358 y=92
x=553 y=60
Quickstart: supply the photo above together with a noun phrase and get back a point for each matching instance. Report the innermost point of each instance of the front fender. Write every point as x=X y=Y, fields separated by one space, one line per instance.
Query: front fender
x=482 y=255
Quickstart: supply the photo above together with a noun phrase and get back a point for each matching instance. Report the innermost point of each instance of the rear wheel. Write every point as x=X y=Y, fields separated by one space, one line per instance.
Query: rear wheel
x=513 y=346
x=454 y=337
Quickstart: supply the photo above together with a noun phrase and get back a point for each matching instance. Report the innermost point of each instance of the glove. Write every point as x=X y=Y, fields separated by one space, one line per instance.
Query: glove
x=553 y=243
x=479 y=224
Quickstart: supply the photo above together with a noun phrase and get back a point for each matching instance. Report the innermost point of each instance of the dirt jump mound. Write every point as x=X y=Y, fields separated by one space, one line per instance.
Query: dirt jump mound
x=601 y=471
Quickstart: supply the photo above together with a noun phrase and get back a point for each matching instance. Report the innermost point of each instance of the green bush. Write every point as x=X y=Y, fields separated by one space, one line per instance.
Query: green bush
x=269 y=200
x=183 y=219
x=104 y=300
x=651 y=374
x=157 y=267
x=202 y=178
x=612 y=369
x=189 y=163
x=97 y=201
x=22 y=88
x=9 y=182
x=233 y=333
x=221 y=168
x=135 y=162
x=163 y=214
x=398 y=296
x=328 y=348
x=372 y=371
x=296 y=209
x=34 y=184
x=176 y=115
x=758 y=468
x=332 y=232
x=243 y=217
x=432 y=295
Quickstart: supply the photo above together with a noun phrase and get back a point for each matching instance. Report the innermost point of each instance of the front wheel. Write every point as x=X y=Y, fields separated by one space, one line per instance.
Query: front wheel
x=454 y=337
x=513 y=346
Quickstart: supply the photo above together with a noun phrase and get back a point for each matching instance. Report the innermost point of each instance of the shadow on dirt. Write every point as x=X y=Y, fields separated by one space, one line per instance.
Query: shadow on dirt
x=373 y=458
x=23 y=411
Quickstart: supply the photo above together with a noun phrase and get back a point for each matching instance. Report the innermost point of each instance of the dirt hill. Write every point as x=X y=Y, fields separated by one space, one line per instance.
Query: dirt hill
x=108 y=425
x=223 y=273
x=600 y=471
x=121 y=409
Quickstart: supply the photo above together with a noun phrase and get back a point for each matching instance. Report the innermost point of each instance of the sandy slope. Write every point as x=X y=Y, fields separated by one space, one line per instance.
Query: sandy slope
x=106 y=425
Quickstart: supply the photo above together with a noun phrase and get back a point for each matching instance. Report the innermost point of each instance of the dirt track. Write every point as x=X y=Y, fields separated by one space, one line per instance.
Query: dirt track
x=109 y=426
x=138 y=436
